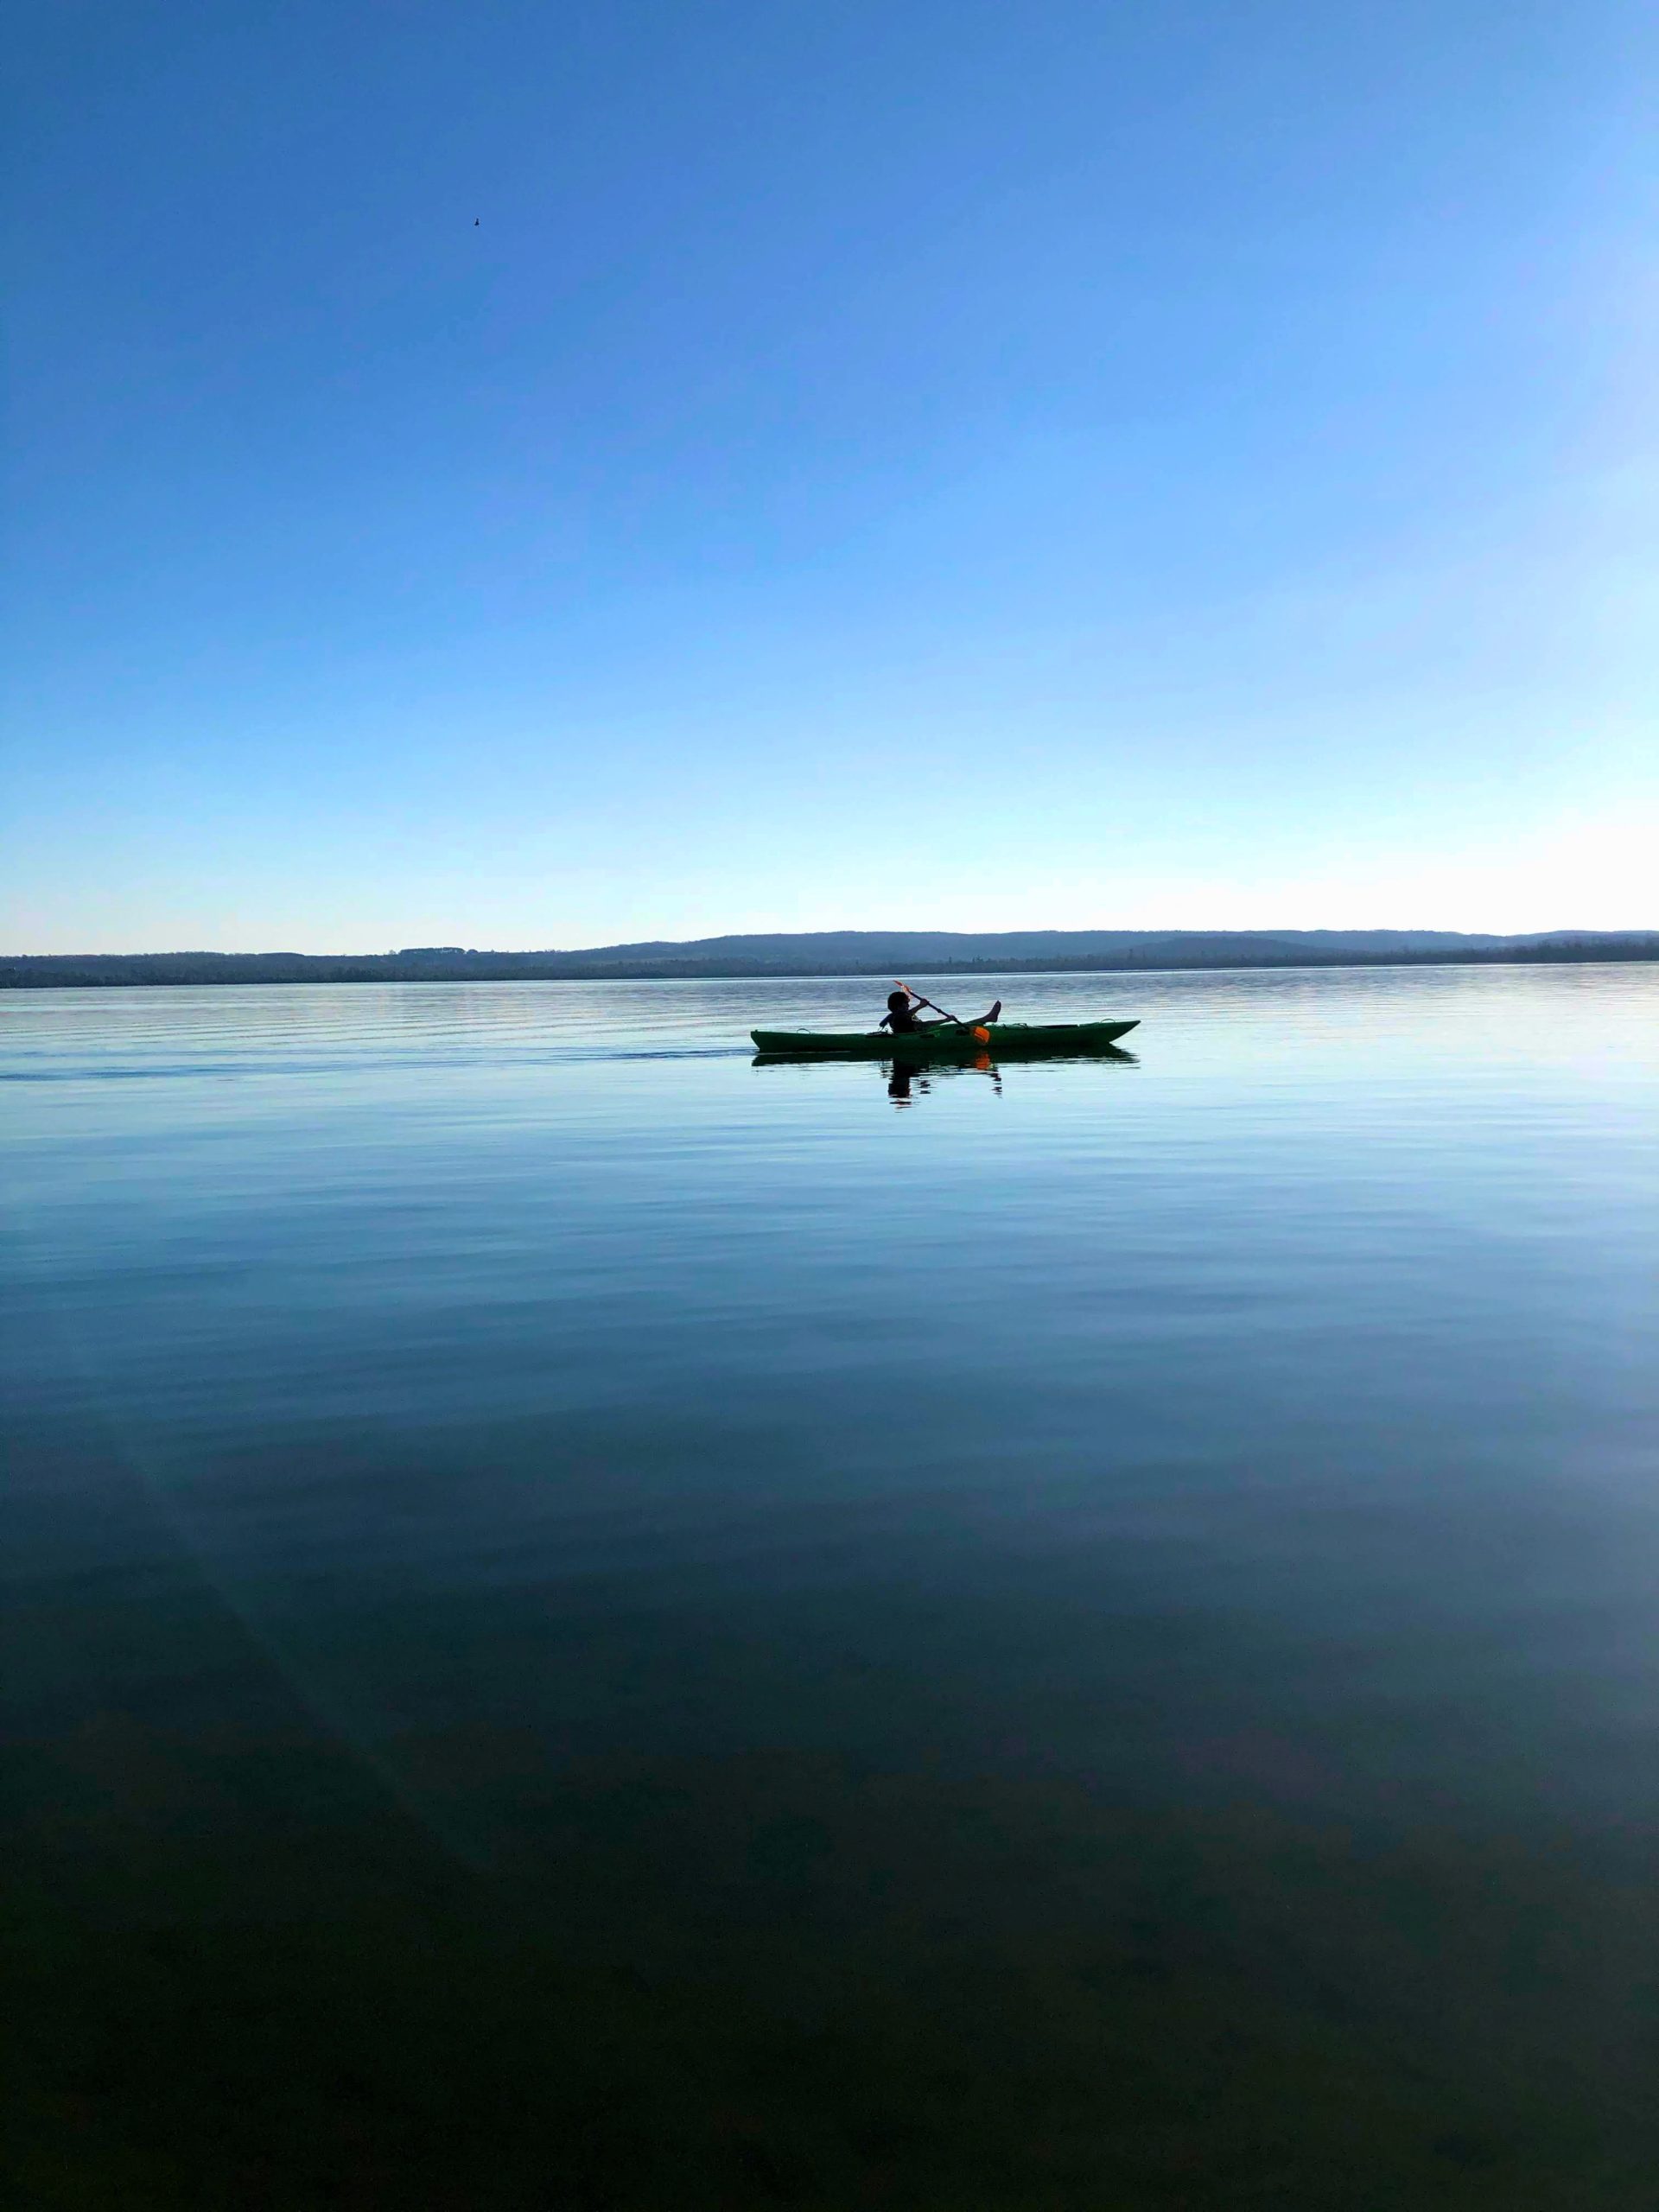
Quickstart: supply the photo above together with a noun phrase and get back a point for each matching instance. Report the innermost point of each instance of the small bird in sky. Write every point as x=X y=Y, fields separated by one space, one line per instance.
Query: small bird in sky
x=474 y=222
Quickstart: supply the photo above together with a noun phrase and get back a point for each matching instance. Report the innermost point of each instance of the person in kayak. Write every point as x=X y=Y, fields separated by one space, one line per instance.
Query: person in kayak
x=900 y=1016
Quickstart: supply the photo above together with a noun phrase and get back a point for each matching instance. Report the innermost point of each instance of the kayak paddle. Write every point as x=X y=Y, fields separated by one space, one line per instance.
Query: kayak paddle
x=983 y=1034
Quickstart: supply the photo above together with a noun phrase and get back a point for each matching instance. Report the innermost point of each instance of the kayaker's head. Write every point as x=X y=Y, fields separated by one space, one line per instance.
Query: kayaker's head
x=897 y=1001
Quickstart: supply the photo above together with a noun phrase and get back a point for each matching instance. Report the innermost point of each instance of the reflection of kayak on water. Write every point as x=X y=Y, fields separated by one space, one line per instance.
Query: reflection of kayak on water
x=1004 y=1040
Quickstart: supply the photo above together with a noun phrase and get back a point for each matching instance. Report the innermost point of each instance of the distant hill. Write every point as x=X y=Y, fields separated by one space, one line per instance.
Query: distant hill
x=860 y=950
x=834 y=952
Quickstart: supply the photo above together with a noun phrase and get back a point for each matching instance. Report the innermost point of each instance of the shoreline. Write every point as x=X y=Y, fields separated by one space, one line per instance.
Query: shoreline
x=195 y=971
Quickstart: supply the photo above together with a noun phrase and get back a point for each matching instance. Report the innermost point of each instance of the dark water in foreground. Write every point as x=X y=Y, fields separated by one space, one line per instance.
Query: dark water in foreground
x=592 y=1625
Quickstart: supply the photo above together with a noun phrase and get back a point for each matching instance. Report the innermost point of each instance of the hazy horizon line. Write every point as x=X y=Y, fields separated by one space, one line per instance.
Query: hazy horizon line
x=748 y=936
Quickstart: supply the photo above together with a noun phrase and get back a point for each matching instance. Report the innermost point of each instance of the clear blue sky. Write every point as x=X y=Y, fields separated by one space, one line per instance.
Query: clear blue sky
x=914 y=464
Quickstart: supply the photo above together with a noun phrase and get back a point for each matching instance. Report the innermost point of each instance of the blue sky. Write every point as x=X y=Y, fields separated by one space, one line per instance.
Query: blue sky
x=919 y=465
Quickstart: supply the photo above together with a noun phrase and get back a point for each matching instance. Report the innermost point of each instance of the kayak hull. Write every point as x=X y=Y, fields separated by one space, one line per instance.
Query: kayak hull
x=1003 y=1040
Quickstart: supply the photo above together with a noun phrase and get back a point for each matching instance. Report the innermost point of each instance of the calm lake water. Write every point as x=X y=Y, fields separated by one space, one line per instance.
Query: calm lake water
x=593 y=1623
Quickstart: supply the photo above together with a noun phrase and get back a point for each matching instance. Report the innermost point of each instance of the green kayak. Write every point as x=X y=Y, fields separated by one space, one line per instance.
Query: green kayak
x=1005 y=1040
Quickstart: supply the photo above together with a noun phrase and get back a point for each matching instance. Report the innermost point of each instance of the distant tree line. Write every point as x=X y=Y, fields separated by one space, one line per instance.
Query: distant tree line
x=61 y=971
